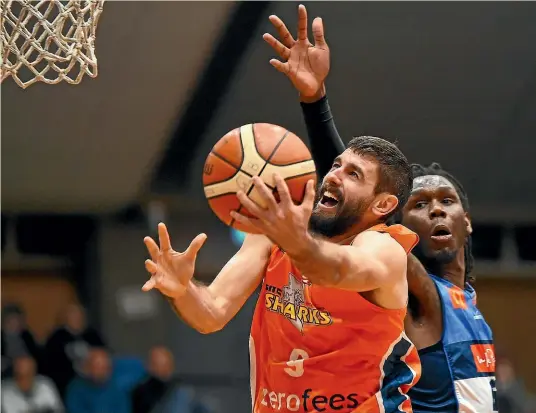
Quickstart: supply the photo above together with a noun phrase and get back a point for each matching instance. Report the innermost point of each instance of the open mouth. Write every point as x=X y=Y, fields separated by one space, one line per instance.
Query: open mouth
x=329 y=200
x=441 y=233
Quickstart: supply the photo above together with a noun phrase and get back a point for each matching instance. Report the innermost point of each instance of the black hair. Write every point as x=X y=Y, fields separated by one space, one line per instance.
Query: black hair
x=394 y=175
x=436 y=169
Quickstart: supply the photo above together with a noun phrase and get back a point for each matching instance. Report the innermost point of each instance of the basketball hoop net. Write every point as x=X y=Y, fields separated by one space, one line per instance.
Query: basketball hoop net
x=49 y=40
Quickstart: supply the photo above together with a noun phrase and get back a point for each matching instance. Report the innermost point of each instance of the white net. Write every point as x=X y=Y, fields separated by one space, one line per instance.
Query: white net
x=48 y=41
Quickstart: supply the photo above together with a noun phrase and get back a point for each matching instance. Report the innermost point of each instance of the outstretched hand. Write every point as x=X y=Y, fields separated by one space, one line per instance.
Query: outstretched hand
x=305 y=64
x=171 y=271
x=284 y=223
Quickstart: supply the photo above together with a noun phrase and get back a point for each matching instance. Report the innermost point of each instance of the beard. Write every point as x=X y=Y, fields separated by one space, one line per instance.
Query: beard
x=347 y=215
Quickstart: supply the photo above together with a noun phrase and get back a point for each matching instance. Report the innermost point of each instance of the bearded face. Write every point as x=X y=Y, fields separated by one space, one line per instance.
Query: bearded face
x=334 y=213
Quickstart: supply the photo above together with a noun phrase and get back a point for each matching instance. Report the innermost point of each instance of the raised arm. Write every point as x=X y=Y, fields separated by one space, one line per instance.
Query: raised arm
x=206 y=308
x=307 y=66
x=374 y=260
x=326 y=143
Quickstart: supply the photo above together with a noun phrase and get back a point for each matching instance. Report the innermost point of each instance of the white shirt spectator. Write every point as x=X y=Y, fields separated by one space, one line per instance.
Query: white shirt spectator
x=43 y=398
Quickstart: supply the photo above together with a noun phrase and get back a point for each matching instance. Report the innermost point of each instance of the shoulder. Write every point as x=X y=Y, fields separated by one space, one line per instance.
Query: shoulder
x=76 y=385
x=381 y=241
x=383 y=247
x=44 y=383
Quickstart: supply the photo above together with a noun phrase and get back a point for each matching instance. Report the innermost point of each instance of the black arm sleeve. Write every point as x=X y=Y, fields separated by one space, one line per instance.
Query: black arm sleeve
x=326 y=143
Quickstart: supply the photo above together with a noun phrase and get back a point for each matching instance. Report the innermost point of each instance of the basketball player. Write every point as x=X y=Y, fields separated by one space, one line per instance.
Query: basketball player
x=327 y=332
x=455 y=343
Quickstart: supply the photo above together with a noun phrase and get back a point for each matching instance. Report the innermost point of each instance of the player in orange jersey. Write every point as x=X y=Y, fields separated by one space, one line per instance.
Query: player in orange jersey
x=327 y=333
x=454 y=341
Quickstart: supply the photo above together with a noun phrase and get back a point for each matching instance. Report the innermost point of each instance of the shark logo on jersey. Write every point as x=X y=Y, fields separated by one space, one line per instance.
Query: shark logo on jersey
x=290 y=302
x=293 y=294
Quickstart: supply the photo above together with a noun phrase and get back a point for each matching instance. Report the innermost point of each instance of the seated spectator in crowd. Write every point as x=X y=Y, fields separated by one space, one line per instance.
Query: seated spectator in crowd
x=512 y=396
x=28 y=392
x=68 y=346
x=162 y=391
x=17 y=340
x=161 y=367
x=94 y=391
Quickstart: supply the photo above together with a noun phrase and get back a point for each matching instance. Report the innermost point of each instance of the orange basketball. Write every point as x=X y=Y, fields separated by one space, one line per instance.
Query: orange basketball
x=258 y=149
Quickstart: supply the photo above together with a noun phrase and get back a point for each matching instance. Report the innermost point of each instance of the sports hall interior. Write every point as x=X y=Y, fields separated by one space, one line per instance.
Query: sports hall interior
x=88 y=170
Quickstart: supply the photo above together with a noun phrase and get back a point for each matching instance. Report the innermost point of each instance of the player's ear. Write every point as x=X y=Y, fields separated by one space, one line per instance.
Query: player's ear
x=468 y=225
x=384 y=204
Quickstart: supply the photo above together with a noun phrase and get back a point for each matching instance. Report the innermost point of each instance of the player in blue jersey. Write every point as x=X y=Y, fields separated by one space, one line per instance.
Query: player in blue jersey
x=454 y=341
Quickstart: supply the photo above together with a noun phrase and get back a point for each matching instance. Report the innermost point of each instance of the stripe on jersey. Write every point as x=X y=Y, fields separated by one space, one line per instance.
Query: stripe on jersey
x=397 y=376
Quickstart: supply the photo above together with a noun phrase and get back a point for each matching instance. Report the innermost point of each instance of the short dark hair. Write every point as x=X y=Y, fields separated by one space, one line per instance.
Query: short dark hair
x=436 y=169
x=394 y=176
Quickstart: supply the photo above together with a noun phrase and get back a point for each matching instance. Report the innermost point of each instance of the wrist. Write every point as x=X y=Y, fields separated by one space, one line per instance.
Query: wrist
x=305 y=249
x=180 y=292
x=320 y=93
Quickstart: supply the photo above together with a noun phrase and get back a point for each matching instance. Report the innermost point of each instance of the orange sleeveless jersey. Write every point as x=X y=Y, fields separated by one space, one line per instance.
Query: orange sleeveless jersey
x=317 y=349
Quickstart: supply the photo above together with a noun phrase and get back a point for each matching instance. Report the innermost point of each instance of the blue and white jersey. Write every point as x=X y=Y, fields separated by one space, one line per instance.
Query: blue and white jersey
x=459 y=372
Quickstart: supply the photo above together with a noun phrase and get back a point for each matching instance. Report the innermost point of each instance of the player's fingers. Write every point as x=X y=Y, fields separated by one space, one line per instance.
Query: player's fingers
x=152 y=247
x=265 y=193
x=151 y=267
x=163 y=237
x=284 y=35
x=282 y=67
x=196 y=245
x=149 y=285
x=318 y=32
x=282 y=189
x=309 y=198
x=302 y=23
x=250 y=205
x=248 y=223
x=280 y=48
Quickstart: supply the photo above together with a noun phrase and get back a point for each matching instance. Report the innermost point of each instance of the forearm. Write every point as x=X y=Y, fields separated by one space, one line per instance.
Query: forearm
x=326 y=143
x=371 y=261
x=198 y=308
x=322 y=262
x=209 y=308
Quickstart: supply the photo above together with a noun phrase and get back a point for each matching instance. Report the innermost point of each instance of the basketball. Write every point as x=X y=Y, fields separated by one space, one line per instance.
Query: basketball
x=258 y=149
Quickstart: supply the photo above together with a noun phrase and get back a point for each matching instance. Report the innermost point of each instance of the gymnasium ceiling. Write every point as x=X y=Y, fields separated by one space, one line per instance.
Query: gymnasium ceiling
x=452 y=82
x=92 y=147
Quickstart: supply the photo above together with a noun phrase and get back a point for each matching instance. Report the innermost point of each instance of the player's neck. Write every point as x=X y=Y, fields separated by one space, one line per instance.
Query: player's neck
x=349 y=236
x=454 y=271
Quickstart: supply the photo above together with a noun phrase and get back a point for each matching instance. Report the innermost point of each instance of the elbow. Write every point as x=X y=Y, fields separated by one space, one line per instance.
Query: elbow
x=210 y=326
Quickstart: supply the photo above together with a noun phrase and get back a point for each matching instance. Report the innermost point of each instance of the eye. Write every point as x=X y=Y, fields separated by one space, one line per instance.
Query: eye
x=354 y=174
x=419 y=205
x=335 y=166
x=447 y=201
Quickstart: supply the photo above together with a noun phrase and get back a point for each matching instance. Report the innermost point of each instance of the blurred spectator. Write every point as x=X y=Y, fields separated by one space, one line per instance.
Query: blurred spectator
x=28 y=392
x=161 y=367
x=162 y=391
x=511 y=394
x=95 y=392
x=17 y=340
x=68 y=346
